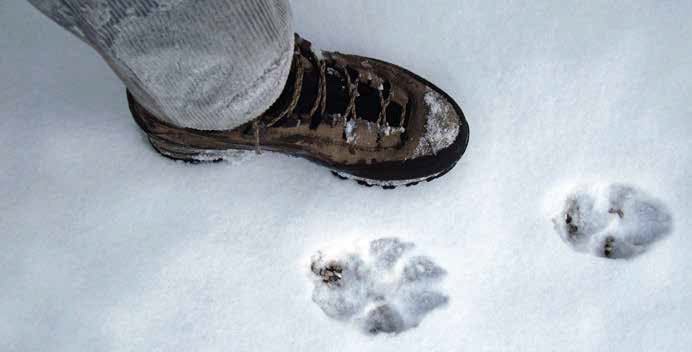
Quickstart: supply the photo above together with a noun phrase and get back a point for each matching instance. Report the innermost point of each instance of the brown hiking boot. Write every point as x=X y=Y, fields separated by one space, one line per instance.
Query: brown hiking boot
x=362 y=118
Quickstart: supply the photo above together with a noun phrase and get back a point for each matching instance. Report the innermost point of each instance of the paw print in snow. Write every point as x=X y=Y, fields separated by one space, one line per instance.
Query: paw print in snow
x=376 y=285
x=611 y=221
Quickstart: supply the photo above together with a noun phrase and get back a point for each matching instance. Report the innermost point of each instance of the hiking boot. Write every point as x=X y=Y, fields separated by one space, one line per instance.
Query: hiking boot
x=362 y=118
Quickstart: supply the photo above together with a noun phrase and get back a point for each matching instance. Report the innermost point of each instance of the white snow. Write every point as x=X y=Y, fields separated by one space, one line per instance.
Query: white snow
x=381 y=287
x=350 y=130
x=440 y=129
x=388 y=130
x=106 y=246
x=611 y=220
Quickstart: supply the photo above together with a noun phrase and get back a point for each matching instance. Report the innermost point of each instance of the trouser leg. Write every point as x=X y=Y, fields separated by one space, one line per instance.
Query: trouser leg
x=204 y=64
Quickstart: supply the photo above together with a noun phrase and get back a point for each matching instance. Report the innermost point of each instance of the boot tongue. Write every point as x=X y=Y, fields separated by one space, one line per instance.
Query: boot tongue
x=336 y=93
x=310 y=89
x=369 y=101
x=309 y=92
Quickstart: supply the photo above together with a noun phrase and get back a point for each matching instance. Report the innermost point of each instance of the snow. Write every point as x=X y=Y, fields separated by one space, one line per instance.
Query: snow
x=107 y=246
x=611 y=220
x=350 y=130
x=377 y=285
x=440 y=130
x=389 y=130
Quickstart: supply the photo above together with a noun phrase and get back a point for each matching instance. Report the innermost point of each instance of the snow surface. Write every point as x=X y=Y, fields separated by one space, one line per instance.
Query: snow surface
x=107 y=246
x=378 y=284
x=611 y=220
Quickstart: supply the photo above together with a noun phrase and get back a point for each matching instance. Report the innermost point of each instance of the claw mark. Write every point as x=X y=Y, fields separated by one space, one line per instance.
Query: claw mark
x=571 y=228
x=331 y=275
x=609 y=246
x=620 y=213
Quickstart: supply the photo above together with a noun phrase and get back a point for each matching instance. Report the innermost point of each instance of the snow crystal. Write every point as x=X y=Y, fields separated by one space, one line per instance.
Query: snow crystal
x=350 y=130
x=376 y=286
x=388 y=130
x=442 y=126
x=611 y=220
x=233 y=156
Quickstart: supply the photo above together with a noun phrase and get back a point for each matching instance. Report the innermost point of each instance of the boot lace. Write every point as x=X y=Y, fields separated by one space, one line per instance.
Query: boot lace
x=349 y=78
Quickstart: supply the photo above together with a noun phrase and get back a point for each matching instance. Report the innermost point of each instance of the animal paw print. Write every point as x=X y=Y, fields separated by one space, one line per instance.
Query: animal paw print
x=377 y=285
x=611 y=221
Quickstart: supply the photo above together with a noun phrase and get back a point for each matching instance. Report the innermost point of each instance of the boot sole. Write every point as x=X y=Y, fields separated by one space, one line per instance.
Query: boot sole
x=197 y=156
x=390 y=184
